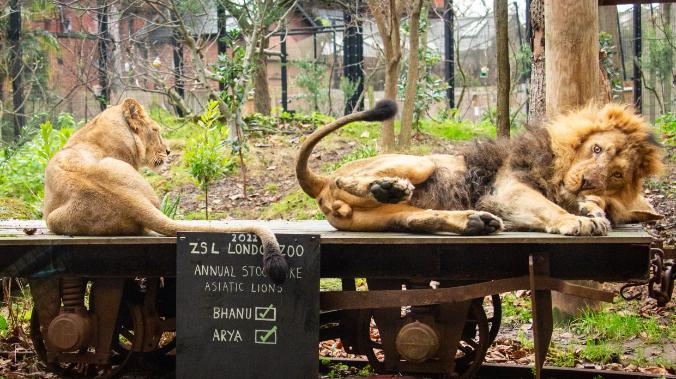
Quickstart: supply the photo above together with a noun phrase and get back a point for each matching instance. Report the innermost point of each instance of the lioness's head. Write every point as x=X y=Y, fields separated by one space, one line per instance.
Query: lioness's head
x=607 y=152
x=152 y=149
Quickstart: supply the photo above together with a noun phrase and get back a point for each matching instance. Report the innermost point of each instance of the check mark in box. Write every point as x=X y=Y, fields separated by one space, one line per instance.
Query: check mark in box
x=266 y=336
x=268 y=313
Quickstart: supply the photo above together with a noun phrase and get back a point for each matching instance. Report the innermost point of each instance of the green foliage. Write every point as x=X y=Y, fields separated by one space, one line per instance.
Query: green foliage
x=430 y=88
x=295 y=206
x=205 y=155
x=230 y=70
x=453 y=128
x=657 y=51
x=23 y=166
x=597 y=351
x=169 y=206
x=311 y=79
x=348 y=87
x=608 y=52
x=523 y=60
x=666 y=124
x=516 y=309
x=361 y=152
x=616 y=326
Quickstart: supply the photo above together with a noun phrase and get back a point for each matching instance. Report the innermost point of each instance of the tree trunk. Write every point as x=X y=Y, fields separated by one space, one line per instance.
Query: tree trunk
x=387 y=16
x=262 y=89
x=15 y=69
x=572 y=80
x=502 y=37
x=536 y=100
x=668 y=83
x=572 y=54
x=412 y=75
x=103 y=40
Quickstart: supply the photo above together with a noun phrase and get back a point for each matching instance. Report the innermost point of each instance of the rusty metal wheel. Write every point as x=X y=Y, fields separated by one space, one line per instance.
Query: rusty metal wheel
x=474 y=342
x=127 y=334
x=493 y=311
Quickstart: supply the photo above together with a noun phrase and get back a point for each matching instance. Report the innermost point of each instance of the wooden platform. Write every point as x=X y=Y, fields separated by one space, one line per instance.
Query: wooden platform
x=620 y=256
x=12 y=232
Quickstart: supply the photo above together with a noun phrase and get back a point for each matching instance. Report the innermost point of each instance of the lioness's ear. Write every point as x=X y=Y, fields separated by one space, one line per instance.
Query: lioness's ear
x=133 y=113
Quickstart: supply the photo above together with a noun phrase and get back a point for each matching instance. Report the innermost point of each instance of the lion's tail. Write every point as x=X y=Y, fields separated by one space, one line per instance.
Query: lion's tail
x=274 y=264
x=312 y=183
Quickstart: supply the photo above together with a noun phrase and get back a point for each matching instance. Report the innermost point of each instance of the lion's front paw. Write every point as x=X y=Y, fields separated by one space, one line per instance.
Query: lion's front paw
x=391 y=190
x=584 y=226
x=592 y=207
x=479 y=223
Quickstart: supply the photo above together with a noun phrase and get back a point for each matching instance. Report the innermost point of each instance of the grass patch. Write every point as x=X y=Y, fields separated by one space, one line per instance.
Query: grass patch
x=457 y=130
x=516 y=309
x=12 y=207
x=599 y=351
x=330 y=284
x=561 y=357
x=361 y=152
x=617 y=326
x=297 y=205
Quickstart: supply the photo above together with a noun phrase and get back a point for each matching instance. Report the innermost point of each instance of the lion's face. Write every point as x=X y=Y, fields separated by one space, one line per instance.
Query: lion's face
x=603 y=165
x=148 y=134
x=608 y=153
x=156 y=149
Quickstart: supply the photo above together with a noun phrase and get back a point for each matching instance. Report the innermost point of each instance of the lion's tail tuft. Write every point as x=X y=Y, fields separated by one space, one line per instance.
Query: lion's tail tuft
x=384 y=110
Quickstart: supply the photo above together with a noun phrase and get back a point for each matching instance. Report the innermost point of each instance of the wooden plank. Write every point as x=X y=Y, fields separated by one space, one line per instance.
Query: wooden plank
x=12 y=233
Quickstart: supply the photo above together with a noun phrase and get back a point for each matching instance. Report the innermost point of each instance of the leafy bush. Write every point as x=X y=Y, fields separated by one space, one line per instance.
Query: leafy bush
x=667 y=127
x=205 y=155
x=23 y=166
x=310 y=79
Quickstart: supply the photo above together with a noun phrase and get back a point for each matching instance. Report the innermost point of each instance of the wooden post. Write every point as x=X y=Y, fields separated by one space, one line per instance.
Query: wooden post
x=571 y=54
x=572 y=80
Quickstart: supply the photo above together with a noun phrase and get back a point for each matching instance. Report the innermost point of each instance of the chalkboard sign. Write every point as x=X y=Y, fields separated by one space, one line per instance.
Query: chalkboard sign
x=232 y=321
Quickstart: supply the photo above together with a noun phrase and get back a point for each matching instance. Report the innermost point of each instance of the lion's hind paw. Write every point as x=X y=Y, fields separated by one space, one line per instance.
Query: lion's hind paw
x=481 y=223
x=391 y=190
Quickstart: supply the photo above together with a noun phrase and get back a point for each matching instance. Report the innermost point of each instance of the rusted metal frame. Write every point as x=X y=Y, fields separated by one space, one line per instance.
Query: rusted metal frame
x=396 y=298
x=543 y=323
x=152 y=326
x=47 y=302
x=107 y=296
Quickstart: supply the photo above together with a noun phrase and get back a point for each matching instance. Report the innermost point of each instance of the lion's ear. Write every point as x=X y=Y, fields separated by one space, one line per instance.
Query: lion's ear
x=645 y=216
x=133 y=113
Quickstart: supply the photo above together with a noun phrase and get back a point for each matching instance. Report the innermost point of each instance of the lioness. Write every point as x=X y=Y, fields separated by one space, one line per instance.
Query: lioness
x=92 y=186
x=573 y=176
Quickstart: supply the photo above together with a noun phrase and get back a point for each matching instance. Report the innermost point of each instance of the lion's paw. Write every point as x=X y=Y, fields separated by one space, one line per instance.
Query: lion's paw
x=584 y=226
x=480 y=223
x=391 y=190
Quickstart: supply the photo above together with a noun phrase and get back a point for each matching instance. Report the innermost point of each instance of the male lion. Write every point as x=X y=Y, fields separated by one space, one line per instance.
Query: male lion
x=573 y=176
x=92 y=186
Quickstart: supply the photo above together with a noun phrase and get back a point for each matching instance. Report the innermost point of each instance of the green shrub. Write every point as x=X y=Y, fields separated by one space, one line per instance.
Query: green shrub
x=23 y=167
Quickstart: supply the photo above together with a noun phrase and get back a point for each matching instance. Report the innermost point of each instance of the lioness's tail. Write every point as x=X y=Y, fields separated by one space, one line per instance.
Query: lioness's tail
x=274 y=264
x=312 y=183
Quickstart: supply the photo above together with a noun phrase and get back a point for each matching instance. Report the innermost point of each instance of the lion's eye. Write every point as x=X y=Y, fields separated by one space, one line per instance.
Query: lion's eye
x=596 y=149
x=617 y=174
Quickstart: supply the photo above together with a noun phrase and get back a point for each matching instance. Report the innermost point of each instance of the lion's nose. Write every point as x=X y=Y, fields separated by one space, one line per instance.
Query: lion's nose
x=586 y=184
x=168 y=152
